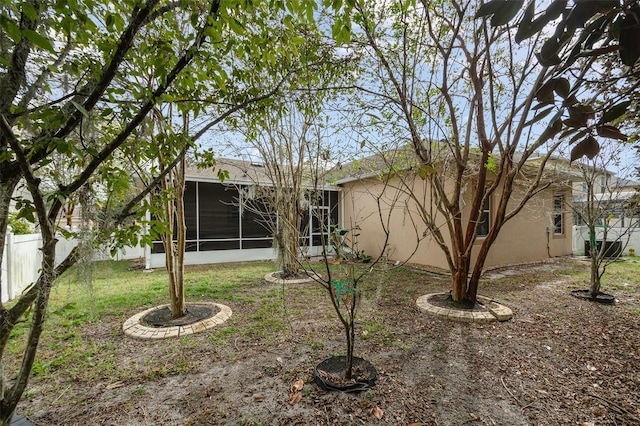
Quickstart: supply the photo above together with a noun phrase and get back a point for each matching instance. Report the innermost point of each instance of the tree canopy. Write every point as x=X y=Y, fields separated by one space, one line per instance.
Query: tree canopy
x=595 y=46
x=78 y=82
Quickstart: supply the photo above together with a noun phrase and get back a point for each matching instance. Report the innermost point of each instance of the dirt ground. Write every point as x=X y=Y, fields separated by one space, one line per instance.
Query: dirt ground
x=559 y=361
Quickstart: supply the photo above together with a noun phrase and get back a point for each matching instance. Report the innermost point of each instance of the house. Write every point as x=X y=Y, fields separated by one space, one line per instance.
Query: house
x=614 y=209
x=220 y=227
x=542 y=229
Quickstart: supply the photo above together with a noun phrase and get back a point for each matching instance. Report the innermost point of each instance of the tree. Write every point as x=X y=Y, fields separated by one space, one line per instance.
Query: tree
x=607 y=211
x=343 y=278
x=462 y=95
x=280 y=191
x=287 y=144
x=284 y=138
x=63 y=64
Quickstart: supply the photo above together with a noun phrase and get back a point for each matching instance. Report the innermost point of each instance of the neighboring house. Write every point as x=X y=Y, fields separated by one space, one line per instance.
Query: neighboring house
x=616 y=204
x=615 y=198
x=221 y=229
x=541 y=230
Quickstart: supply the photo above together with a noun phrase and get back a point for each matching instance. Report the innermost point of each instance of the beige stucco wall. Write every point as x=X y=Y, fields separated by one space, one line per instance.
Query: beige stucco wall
x=522 y=239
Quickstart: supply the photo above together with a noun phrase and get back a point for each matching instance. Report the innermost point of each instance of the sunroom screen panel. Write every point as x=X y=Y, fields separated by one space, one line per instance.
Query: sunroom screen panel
x=218 y=211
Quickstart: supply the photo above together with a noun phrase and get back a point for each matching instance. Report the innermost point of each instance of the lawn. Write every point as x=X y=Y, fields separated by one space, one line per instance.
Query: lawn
x=558 y=361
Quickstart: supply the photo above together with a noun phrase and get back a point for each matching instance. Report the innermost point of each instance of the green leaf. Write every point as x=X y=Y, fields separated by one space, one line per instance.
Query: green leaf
x=555 y=9
x=539 y=116
x=526 y=22
x=629 y=41
x=490 y=8
x=579 y=135
x=562 y=87
x=549 y=52
x=11 y=28
x=589 y=147
x=506 y=13
x=611 y=132
x=311 y=7
x=425 y=170
x=38 y=40
x=29 y=11
x=615 y=112
x=544 y=94
x=236 y=26
x=80 y=108
x=552 y=129
x=109 y=21
x=533 y=28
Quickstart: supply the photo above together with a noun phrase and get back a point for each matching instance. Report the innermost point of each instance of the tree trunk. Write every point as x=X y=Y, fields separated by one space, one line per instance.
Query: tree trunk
x=288 y=241
x=460 y=280
x=7 y=187
x=350 y=331
x=180 y=310
x=174 y=253
x=12 y=395
x=594 y=287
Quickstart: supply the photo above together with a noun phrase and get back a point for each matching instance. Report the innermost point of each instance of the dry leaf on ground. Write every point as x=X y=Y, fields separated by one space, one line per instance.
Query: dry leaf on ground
x=297 y=385
x=377 y=411
x=115 y=385
x=295 y=398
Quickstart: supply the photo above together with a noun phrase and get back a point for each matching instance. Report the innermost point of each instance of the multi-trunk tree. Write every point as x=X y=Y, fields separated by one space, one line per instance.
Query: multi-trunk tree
x=607 y=208
x=463 y=96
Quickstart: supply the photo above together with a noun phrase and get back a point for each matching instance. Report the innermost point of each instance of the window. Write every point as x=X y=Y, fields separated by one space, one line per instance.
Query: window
x=577 y=220
x=603 y=184
x=484 y=220
x=558 y=214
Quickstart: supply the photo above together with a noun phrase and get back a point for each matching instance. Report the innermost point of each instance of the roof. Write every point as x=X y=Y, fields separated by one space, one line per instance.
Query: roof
x=608 y=197
x=240 y=172
x=402 y=158
x=620 y=183
x=405 y=159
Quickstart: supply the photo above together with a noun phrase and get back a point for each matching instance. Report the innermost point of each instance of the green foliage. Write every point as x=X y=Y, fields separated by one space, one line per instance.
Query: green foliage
x=19 y=226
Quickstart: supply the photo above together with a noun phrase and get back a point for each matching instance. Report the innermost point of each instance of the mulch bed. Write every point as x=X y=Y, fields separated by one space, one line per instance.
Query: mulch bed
x=446 y=301
x=601 y=297
x=330 y=374
x=161 y=317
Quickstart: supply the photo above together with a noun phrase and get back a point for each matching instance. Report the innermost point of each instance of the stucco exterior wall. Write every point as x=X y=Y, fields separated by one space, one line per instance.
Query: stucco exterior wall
x=522 y=239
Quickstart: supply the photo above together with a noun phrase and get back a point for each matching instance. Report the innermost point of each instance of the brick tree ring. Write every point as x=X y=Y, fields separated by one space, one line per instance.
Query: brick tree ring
x=134 y=327
x=493 y=311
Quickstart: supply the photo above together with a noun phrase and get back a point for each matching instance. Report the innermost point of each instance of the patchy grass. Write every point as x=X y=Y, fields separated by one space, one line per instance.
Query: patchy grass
x=87 y=371
x=114 y=293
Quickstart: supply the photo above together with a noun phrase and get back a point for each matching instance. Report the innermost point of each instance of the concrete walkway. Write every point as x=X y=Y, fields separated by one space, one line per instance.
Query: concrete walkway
x=17 y=420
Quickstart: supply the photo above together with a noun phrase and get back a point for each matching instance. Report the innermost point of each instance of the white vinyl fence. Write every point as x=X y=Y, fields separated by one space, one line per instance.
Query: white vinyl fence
x=21 y=260
x=628 y=237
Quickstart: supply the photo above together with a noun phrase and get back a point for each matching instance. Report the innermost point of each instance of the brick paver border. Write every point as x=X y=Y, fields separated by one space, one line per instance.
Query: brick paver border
x=495 y=311
x=271 y=278
x=134 y=328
